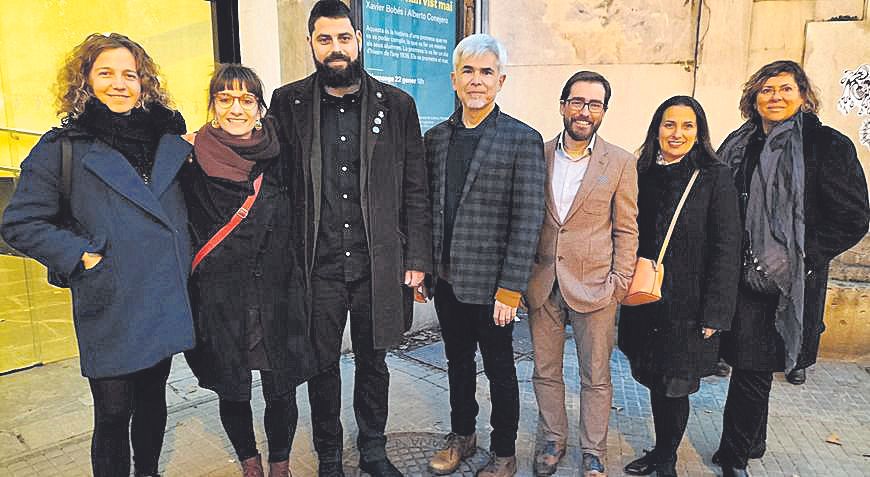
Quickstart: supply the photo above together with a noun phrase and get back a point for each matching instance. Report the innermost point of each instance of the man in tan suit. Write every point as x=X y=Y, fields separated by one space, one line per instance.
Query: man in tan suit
x=582 y=270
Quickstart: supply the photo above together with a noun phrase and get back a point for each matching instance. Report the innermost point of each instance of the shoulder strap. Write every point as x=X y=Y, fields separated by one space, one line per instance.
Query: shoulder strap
x=676 y=215
x=65 y=174
x=234 y=222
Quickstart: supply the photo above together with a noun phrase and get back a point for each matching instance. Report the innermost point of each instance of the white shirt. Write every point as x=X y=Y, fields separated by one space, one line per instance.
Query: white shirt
x=568 y=173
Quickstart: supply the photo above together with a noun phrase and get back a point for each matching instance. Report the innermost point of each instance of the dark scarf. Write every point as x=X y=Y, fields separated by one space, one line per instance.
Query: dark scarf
x=134 y=135
x=229 y=157
x=775 y=222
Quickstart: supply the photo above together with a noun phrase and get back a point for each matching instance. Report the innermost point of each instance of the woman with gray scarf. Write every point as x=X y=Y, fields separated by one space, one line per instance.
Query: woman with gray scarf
x=803 y=201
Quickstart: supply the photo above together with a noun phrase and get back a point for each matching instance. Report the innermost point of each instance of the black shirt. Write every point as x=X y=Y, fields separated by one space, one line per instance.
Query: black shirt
x=463 y=143
x=342 y=248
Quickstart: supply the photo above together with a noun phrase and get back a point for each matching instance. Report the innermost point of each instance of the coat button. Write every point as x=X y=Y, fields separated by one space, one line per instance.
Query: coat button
x=258 y=274
x=379 y=94
x=560 y=258
x=296 y=101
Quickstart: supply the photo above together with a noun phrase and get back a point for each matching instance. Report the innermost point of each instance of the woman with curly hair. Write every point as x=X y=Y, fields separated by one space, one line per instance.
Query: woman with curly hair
x=98 y=203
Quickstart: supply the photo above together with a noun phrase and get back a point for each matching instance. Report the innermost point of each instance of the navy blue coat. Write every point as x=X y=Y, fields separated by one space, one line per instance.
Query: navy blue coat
x=132 y=309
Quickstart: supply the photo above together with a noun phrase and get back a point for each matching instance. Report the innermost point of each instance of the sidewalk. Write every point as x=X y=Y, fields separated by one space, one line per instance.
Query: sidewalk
x=45 y=420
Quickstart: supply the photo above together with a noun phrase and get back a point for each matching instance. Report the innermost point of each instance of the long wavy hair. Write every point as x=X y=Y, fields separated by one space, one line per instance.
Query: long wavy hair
x=755 y=82
x=73 y=90
x=702 y=153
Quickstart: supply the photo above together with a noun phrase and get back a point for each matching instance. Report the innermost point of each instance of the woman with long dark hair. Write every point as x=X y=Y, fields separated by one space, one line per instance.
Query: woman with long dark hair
x=98 y=203
x=247 y=286
x=672 y=343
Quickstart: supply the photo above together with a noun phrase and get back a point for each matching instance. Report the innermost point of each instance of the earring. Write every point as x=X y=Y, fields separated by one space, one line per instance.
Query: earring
x=258 y=125
x=214 y=123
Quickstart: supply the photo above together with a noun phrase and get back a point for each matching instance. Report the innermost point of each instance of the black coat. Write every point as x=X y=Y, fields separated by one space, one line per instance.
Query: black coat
x=394 y=186
x=255 y=274
x=836 y=216
x=702 y=265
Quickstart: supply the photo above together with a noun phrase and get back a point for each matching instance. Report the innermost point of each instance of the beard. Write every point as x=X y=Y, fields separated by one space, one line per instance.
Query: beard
x=339 y=78
x=581 y=135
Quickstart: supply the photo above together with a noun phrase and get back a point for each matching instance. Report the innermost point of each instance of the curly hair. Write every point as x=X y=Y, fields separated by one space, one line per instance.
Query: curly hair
x=74 y=91
x=755 y=82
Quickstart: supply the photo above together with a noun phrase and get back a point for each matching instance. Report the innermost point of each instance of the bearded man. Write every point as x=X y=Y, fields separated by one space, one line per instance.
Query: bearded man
x=357 y=170
x=584 y=264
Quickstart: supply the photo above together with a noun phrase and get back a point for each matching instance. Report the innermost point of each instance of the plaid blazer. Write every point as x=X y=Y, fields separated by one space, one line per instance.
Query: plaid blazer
x=500 y=212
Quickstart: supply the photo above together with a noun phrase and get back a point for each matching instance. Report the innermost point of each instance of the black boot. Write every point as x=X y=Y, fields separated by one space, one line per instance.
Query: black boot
x=797 y=376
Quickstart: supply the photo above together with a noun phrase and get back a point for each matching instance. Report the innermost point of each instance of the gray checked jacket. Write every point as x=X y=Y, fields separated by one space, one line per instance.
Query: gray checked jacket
x=501 y=209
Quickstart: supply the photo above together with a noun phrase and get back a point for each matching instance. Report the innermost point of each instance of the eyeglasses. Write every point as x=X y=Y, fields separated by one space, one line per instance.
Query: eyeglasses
x=577 y=104
x=247 y=101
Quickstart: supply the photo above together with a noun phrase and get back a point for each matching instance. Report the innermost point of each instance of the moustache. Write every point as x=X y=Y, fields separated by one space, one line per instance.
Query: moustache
x=336 y=56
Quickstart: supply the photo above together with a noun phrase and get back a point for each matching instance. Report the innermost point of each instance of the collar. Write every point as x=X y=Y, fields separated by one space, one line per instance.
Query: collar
x=455 y=120
x=586 y=153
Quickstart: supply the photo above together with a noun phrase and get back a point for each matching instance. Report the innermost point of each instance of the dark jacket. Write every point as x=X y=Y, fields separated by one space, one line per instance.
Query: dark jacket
x=131 y=310
x=495 y=233
x=702 y=265
x=836 y=216
x=394 y=189
x=251 y=287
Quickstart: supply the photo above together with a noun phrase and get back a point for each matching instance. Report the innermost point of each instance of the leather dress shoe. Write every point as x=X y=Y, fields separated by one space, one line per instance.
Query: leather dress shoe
x=728 y=471
x=380 y=468
x=592 y=465
x=756 y=452
x=547 y=460
x=644 y=465
x=797 y=376
x=456 y=447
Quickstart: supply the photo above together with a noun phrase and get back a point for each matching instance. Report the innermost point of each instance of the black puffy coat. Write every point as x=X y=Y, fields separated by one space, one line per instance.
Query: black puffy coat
x=702 y=265
x=256 y=273
x=836 y=216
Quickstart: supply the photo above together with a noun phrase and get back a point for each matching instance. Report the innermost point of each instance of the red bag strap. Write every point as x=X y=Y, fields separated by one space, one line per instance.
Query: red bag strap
x=234 y=222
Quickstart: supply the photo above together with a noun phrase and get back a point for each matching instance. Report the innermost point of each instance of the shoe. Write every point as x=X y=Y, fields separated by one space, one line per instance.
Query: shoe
x=456 y=447
x=252 y=467
x=797 y=376
x=547 y=460
x=380 y=468
x=499 y=467
x=141 y=474
x=644 y=465
x=280 y=469
x=722 y=369
x=592 y=466
x=728 y=471
x=756 y=452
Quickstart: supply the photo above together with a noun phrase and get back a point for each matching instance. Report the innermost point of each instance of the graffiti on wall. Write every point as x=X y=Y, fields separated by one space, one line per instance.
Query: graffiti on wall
x=856 y=95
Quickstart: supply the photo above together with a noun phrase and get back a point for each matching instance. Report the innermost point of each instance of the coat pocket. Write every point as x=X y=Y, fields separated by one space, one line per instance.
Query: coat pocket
x=92 y=290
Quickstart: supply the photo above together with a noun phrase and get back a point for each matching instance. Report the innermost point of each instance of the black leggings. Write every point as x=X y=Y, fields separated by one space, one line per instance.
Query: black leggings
x=279 y=419
x=142 y=396
x=670 y=416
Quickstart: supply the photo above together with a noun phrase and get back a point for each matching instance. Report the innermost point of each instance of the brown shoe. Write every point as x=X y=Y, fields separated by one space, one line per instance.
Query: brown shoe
x=547 y=460
x=499 y=467
x=280 y=469
x=252 y=467
x=456 y=448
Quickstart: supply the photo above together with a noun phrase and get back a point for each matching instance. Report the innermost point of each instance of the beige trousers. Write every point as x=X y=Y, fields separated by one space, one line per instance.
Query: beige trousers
x=594 y=334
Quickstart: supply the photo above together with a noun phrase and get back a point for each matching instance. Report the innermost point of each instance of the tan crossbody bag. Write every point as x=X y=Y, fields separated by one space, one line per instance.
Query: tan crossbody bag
x=646 y=284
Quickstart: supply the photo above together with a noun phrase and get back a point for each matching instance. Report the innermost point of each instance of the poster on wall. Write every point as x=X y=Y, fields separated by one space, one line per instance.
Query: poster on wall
x=409 y=44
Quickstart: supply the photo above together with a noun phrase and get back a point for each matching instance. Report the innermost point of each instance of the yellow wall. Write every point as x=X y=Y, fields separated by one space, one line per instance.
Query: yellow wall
x=35 y=36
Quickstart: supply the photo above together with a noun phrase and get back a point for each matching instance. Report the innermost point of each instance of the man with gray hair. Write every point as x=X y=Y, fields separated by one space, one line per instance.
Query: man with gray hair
x=487 y=174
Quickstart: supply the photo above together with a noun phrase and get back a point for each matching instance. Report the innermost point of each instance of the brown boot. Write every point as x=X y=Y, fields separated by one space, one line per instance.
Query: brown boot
x=500 y=467
x=252 y=467
x=456 y=448
x=280 y=469
x=547 y=459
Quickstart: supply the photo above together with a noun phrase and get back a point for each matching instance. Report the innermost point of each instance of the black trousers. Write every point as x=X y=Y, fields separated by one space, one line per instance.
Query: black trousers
x=332 y=300
x=140 y=397
x=744 y=421
x=279 y=419
x=464 y=327
x=670 y=417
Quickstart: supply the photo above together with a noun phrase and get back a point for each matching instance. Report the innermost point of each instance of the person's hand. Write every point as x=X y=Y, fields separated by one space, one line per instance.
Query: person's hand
x=90 y=260
x=414 y=278
x=708 y=332
x=503 y=314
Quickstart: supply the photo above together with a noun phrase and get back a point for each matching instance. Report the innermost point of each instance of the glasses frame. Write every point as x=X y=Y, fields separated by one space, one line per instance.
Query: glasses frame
x=568 y=102
x=254 y=107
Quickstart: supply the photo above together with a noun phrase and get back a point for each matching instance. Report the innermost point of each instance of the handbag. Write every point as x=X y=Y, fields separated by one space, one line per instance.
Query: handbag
x=646 y=284
x=234 y=222
x=54 y=277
